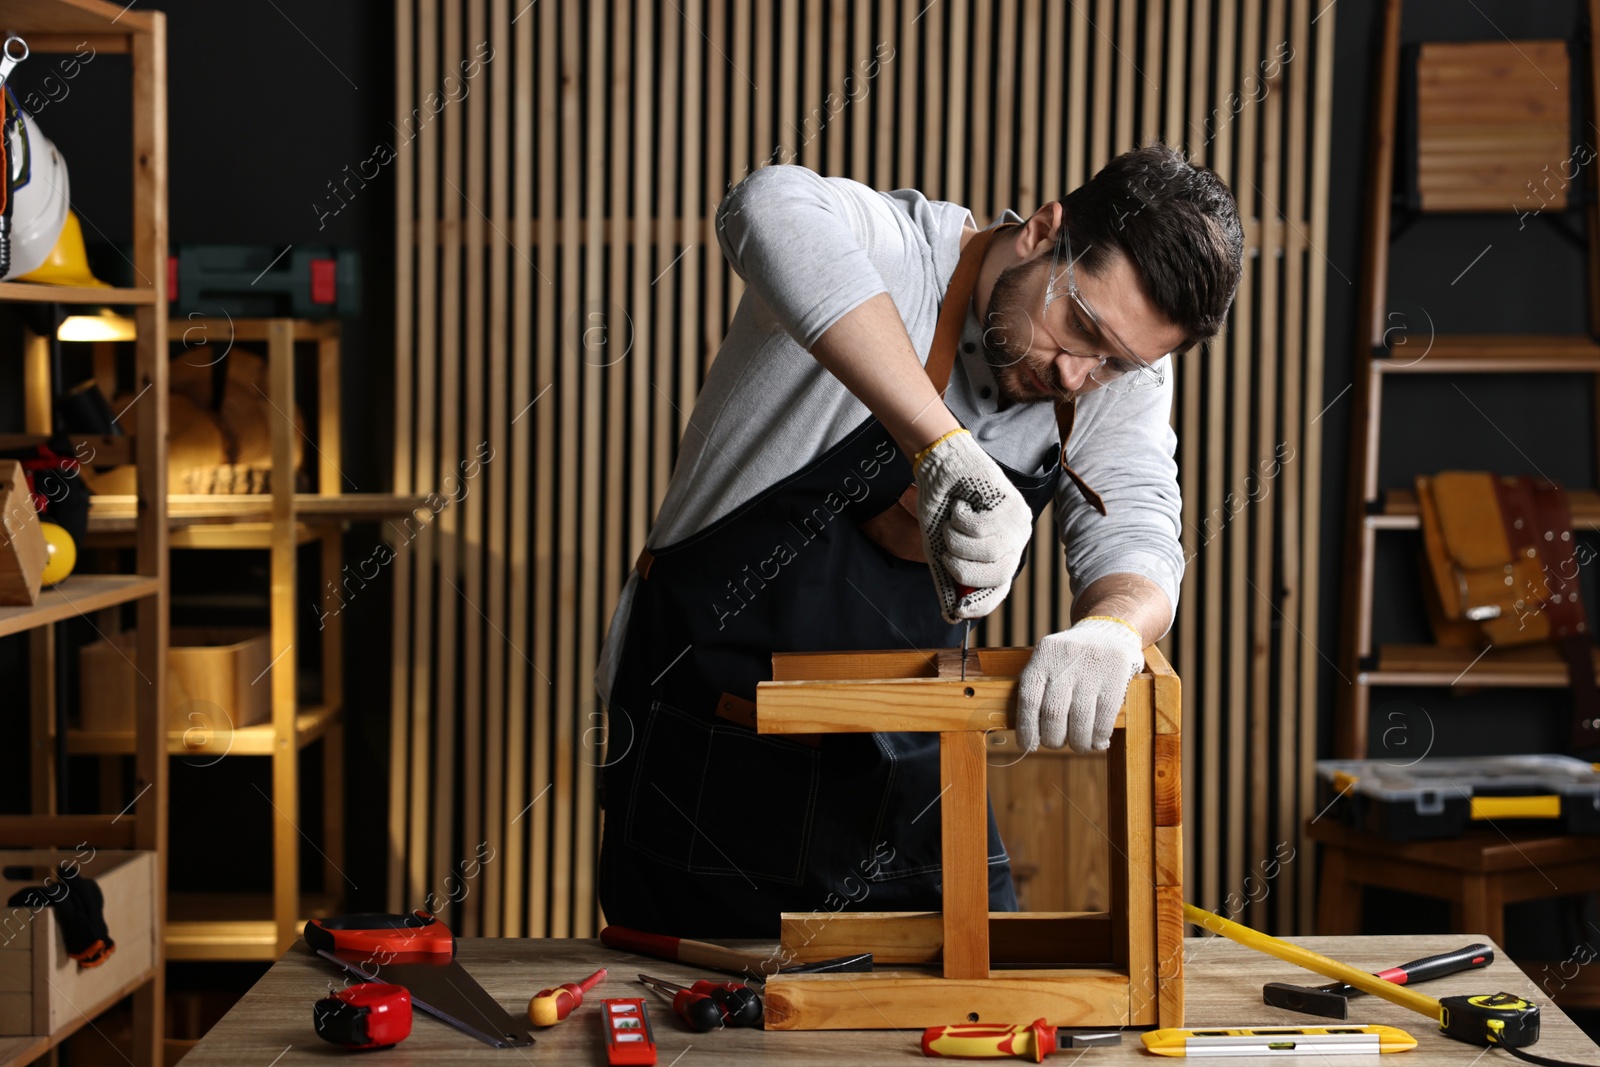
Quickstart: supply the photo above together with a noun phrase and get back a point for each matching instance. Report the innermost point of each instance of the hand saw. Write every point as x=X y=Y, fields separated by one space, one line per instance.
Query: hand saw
x=416 y=951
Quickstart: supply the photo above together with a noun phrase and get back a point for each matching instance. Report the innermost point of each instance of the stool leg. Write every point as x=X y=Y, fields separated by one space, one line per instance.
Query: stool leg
x=1481 y=908
x=1338 y=898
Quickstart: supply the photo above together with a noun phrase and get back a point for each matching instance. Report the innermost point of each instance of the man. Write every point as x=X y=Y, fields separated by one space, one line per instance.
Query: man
x=898 y=396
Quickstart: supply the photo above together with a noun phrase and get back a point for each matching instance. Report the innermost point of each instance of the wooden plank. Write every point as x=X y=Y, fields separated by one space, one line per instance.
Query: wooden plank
x=1138 y=805
x=1217 y=870
x=546 y=579
x=400 y=630
x=498 y=445
x=285 y=800
x=474 y=753
x=591 y=608
x=522 y=690
x=640 y=510
x=1295 y=579
x=1125 y=67
x=1150 y=93
x=990 y=116
x=1078 y=93
x=1168 y=773
x=330 y=430
x=574 y=376
x=1311 y=462
x=1101 y=28
x=1169 y=855
x=615 y=551
x=910 y=1000
x=1024 y=188
x=900 y=704
x=1264 y=600
x=1039 y=939
x=884 y=98
x=835 y=97
x=1169 y=931
x=860 y=159
x=1051 y=812
x=963 y=822
x=740 y=147
x=804 y=118
x=713 y=308
x=446 y=473
x=847 y=666
x=1241 y=374
x=68 y=831
x=333 y=771
x=418 y=851
x=1195 y=643
x=147 y=810
x=907 y=54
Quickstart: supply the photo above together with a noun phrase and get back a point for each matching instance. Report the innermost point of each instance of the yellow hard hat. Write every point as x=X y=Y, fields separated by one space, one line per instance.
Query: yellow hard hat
x=67 y=263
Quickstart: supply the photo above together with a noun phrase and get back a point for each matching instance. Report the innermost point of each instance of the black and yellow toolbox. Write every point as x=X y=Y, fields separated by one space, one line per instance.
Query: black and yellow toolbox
x=1445 y=797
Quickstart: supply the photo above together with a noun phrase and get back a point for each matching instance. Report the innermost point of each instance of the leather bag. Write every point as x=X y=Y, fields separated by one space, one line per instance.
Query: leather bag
x=1504 y=570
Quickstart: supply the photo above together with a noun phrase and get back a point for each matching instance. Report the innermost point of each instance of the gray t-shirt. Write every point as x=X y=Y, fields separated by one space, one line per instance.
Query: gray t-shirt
x=812 y=249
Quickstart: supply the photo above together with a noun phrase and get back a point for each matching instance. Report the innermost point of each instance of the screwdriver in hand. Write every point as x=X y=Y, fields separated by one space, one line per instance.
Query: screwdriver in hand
x=710 y=1005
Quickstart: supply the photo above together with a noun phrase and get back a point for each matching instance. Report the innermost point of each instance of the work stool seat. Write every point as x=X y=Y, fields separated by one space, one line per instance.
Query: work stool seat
x=1478 y=874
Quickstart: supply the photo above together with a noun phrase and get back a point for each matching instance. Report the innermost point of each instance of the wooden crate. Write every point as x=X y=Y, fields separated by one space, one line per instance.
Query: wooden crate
x=42 y=989
x=23 y=551
x=1119 y=967
x=217 y=679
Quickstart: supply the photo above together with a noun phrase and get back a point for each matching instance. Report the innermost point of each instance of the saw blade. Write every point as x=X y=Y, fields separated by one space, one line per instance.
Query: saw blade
x=447 y=992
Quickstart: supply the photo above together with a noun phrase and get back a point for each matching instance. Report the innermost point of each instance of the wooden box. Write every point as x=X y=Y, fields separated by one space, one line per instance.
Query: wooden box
x=217 y=679
x=23 y=551
x=42 y=988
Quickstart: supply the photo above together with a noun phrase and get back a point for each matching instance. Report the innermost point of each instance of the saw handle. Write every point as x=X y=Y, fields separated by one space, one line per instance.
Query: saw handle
x=374 y=933
x=1445 y=963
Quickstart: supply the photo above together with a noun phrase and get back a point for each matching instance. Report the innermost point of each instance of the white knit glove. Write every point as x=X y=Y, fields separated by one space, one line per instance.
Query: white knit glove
x=1073 y=687
x=975 y=525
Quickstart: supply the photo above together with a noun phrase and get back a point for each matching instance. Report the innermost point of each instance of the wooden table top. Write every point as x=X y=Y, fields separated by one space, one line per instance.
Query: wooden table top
x=272 y=1024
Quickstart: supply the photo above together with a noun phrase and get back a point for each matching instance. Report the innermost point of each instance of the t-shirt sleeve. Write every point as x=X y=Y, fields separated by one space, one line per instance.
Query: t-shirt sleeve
x=813 y=248
x=1125 y=453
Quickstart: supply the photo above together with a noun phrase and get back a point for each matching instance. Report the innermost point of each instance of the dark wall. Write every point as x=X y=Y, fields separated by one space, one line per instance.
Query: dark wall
x=1530 y=280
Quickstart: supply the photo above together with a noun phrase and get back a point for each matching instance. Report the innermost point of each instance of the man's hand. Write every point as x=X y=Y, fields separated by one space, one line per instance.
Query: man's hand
x=975 y=525
x=1073 y=687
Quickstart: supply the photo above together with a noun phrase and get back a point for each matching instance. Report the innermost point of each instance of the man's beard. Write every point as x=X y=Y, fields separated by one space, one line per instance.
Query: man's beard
x=1008 y=334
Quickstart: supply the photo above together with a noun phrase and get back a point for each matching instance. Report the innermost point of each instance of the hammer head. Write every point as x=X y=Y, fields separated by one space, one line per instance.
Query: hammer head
x=1309 y=1000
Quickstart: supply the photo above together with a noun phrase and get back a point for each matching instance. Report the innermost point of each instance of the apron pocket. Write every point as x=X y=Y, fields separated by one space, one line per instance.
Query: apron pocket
x=723 y=800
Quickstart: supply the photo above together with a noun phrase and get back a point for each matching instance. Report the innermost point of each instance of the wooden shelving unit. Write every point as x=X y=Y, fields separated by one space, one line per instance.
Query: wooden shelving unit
x=1374 y=510
x=262 y=926
x=55 y=26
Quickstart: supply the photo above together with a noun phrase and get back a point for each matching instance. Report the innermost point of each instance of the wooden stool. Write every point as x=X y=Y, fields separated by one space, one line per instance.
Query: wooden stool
x=1122 y=967
x=1478 y=874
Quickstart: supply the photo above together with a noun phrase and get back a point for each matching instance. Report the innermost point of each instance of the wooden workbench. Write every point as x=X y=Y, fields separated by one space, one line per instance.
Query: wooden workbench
x=272 y=1024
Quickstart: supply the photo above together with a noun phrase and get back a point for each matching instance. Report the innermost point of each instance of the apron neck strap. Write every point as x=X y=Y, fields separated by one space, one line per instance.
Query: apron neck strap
x=946 y=335
x=953 y=312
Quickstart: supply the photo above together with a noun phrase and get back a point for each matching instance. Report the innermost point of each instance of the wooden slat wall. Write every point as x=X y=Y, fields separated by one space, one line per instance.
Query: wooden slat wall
x=559 y=296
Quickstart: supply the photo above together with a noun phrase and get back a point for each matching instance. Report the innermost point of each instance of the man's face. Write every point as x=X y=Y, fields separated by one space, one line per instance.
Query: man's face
x=1050 y=354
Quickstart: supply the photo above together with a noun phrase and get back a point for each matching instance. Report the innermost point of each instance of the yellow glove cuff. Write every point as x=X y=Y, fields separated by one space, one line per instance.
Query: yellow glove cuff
x=1113 y=618
x=916 y=461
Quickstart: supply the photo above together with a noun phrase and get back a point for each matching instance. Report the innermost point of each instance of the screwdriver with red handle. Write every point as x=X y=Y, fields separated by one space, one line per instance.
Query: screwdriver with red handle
x=1029 y=1041
x=710 y=1005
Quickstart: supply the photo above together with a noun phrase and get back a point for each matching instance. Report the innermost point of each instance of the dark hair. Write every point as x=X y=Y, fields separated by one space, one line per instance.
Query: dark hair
x=1175 y=222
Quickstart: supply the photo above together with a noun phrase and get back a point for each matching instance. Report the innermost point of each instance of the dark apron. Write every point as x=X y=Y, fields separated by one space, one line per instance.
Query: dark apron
x=712 y=830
